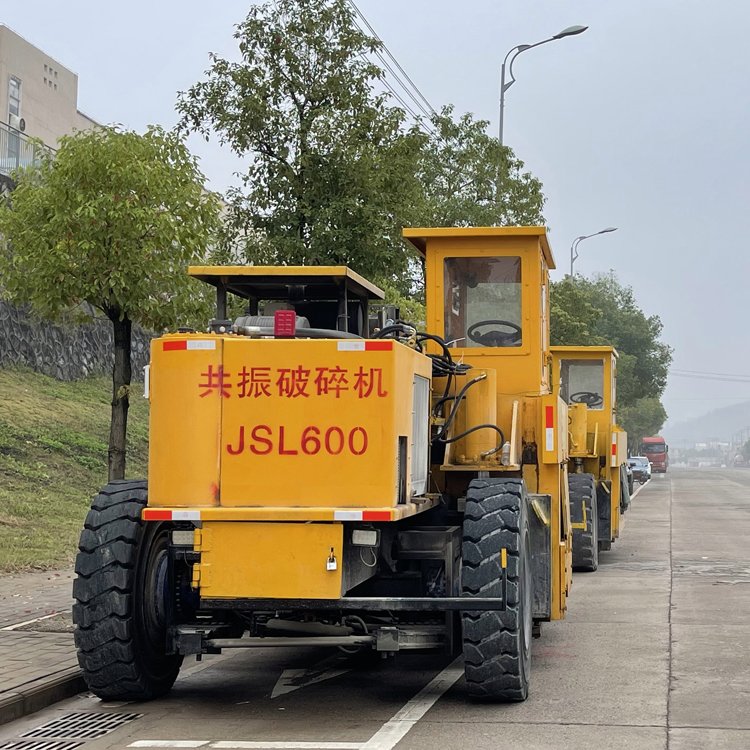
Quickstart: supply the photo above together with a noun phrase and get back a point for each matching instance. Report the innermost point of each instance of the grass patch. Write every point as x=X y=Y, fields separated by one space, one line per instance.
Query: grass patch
x=53 y=459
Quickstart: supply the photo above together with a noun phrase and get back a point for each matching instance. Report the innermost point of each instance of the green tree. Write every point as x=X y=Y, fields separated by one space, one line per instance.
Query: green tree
x=111 y=221
x=646 y=416
x=469 y=179
x=601 y=311
x=331 y=173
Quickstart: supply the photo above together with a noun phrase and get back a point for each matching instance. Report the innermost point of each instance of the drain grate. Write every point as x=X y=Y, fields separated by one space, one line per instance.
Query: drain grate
x=81 y=725
x=40 y=744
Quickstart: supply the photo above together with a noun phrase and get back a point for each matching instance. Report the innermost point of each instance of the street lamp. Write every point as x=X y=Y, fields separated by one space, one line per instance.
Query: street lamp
x=577 y=241
x=570 y=31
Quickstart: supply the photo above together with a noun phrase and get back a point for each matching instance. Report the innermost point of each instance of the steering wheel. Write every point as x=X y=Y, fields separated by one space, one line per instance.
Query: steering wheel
x=589 y=398
x=495 y=337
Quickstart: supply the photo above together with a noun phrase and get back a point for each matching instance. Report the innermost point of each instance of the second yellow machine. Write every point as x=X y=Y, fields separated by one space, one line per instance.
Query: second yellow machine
x=586 y=378
x=320 y=478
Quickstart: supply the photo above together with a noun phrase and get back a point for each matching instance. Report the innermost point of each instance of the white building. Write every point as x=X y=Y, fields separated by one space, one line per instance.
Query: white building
x=38 y=99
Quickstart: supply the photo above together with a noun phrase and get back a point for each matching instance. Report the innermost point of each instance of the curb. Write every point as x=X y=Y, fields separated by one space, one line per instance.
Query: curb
x=40 y=693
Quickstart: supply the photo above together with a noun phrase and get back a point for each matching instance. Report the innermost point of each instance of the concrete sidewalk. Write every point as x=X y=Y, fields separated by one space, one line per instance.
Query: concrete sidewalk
x=37 y=658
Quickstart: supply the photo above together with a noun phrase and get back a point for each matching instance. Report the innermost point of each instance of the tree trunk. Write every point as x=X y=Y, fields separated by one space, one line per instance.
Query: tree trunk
x=121 y=373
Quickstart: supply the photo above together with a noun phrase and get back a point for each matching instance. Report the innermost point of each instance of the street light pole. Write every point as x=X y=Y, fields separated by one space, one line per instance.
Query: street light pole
x=513 y=54
x=578 y=240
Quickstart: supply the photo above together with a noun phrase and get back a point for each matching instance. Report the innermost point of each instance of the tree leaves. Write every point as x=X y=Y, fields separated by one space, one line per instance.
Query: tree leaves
x=469 y=179
x=334 y=171
x=112 y=220
x=600 y=311
x=331 y=164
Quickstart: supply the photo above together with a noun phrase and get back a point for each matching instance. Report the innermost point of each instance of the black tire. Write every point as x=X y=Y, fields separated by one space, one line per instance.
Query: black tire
x=582 y=491
x=120 y=598
x=604 y=506
x=497 y=644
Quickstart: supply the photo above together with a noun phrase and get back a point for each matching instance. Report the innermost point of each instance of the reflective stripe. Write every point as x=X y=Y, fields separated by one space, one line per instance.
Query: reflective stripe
x=181 y=345
x=362 y=515
x=154 y=514
x=201 y=344
x=347 y=515
x=364 y=346
x=376 y=515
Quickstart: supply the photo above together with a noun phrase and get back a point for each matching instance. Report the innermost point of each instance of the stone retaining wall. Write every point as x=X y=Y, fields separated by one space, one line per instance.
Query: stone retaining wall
x=65 y=352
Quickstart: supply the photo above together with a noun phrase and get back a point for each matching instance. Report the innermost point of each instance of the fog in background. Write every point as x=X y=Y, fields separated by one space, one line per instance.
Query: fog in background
x=639 y=123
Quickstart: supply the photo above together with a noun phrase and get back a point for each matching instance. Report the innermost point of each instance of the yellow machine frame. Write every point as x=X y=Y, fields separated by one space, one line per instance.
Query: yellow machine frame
x=320 y=475
x=598 y=445
x=523 y=402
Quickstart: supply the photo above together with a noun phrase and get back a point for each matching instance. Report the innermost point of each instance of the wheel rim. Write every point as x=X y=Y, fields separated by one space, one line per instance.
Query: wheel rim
x=151 y=602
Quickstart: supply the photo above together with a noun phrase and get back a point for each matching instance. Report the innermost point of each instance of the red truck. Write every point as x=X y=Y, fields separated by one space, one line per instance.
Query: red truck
x=657 y=451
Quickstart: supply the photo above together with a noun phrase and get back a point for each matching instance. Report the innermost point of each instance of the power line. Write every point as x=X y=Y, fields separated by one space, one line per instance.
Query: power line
x=401 y=83
x=427 y=109
x=396 y=62
x=717 y=376
x=706 y=372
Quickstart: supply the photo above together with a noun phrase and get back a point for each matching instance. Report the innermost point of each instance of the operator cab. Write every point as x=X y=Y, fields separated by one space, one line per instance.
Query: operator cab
x=586 y=375
x=487 y=295
x=329 y=301
x=482 y=305
x=582 y=382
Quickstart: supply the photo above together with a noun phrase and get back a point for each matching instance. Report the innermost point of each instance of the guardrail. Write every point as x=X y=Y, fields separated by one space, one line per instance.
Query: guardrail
x=18 y=150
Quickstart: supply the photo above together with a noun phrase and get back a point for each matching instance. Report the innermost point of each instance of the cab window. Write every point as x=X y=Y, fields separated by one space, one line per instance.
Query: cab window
x=582 y=382
x=482 y=305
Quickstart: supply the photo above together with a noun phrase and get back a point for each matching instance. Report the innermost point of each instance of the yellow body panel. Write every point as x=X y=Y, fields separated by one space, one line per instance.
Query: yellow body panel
x=185 y=428
x=278 y=423
x=274 y=560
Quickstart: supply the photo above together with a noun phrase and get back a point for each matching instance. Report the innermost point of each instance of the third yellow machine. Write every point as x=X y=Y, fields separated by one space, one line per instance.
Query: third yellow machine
x=317 y=477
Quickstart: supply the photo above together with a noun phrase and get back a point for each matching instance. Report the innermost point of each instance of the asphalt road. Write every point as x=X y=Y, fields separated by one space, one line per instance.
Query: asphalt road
x=655 y=653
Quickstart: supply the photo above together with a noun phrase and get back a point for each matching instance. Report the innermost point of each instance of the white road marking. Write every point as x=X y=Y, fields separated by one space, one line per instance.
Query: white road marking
x=294 y=679
x=31 y=622
x=386 y=738
x=239 y=745
x=638 y=490
x=169 y=743
x=393 y=731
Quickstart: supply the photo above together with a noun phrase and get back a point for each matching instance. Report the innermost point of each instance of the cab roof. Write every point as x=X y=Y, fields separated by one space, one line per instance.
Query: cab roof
x=584 y=350
x=274 y=282
x=418 y=236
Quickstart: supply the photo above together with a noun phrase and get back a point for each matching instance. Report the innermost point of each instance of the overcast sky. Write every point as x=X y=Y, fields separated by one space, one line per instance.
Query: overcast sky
x=642 y=123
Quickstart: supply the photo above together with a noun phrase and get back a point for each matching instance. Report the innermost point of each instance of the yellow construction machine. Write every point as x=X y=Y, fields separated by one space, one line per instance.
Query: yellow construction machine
x=322 y=477
x=586 y=379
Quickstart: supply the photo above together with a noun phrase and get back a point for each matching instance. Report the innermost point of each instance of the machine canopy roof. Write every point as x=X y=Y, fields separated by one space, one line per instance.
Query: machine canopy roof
x=283 y=282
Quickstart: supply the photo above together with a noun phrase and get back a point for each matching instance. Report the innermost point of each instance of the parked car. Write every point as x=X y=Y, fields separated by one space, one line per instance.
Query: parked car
x=641 y=468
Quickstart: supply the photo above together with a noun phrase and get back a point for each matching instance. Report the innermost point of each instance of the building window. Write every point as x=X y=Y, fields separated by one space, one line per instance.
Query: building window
x=14 y=96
